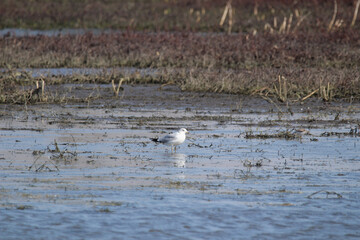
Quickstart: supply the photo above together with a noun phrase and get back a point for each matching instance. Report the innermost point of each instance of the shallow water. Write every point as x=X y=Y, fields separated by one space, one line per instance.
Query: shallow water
x=108 y=181
x=126 y=71
x=18 y=32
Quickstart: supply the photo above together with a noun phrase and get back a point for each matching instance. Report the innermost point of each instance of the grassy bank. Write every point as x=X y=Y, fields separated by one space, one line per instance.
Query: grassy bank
x=283 y=50
x=287 y=67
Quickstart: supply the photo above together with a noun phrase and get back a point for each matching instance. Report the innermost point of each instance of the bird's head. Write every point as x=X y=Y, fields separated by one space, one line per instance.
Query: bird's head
x=183 y=130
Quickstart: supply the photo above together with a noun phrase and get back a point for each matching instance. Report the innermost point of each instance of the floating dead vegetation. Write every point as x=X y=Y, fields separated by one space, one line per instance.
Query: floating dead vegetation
x=105 y=210
x=40 y=165
x=64 y=156
x=268 y=192
x=243 y=175
x=199 y=146
x=287 y=135
x=281 y=204
x=45 y=163
x=323 y=194
x=195 y=185
x=24 y=207
x=112 y=203
x=352 y=133
x=250 y=164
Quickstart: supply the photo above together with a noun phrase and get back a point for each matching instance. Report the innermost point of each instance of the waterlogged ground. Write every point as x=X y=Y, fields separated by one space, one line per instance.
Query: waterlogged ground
x=87 y=170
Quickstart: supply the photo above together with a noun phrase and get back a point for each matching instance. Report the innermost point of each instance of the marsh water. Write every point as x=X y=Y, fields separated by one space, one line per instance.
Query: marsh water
x=87 y=169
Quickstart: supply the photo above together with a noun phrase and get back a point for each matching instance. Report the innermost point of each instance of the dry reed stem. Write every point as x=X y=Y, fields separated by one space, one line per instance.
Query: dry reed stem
x=256 y=12
x=300 y=21
x=230 y=18
x=259 y=91
x=224 y=15
x=227 y=11
x=355 y=13
x=36 y=91
x=166 y=84
x=272 y=102
x=117 y=89
x=289 y=23
x=282 y=28
x=331 y=24
x=281 y=91
x=285 y=27
x=325 y=92
x=42 y=87
x=309 y=95
x=268 y=26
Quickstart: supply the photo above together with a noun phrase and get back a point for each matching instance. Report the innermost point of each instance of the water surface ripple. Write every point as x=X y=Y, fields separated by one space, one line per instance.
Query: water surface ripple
x=90 y=171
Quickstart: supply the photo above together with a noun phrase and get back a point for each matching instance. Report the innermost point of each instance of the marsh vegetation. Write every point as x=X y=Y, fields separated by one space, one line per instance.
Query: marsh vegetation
x=283 y=50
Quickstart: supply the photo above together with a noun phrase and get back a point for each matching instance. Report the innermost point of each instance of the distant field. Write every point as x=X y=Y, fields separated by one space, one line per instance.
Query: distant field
x=286 y=50
x=177 y=15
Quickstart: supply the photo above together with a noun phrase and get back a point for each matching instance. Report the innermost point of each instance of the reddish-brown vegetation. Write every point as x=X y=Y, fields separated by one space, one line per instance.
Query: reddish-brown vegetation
x=174 y=15
x=282 y=48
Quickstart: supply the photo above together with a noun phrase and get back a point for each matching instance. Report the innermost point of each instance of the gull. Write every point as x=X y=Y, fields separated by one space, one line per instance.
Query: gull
x=172 y=139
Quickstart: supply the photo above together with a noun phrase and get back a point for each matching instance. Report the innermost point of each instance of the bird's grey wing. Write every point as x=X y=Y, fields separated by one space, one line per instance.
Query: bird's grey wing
x=167 y=138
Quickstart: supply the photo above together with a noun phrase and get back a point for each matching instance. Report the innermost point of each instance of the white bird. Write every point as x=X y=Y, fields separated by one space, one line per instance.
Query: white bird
x=172 y=139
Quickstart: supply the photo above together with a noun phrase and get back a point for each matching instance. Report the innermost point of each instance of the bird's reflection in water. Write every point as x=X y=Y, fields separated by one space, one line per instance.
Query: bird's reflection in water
x=178 y=159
